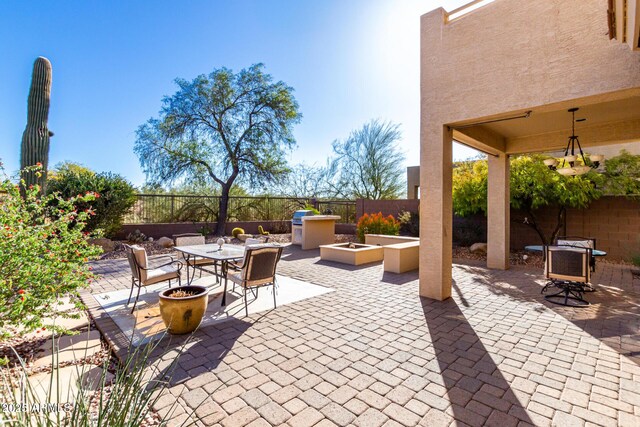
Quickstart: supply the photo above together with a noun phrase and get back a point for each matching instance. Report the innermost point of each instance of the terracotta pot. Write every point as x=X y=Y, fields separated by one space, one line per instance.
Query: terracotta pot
x=183 y=315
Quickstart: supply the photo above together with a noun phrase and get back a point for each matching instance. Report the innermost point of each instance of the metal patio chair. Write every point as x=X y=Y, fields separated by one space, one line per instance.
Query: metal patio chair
x=580 y=242
x=567 y=268
x=144 y=275
x=258 y=269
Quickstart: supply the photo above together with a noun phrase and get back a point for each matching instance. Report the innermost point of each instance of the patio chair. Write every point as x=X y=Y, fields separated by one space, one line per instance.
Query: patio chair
x=196 y=263
x=144 y=275
x=580 y=242
x=258 y=269
x=249 y=243
x=567 y=268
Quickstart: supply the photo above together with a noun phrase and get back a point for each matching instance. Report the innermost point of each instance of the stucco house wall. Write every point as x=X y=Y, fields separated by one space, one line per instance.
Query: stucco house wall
x=508 y=57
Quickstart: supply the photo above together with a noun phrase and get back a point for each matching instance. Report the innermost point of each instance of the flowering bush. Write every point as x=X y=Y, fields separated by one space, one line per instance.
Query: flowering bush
x=377 y=224
x=43 y=253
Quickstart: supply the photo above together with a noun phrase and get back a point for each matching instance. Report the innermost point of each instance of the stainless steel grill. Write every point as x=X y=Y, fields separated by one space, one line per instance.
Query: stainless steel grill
x=297 y=216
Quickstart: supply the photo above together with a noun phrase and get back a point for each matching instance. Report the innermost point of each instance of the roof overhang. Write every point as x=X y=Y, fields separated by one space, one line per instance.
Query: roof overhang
x=610 y=120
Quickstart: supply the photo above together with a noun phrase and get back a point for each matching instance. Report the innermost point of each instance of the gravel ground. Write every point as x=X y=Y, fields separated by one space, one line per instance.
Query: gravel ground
x=531 y=259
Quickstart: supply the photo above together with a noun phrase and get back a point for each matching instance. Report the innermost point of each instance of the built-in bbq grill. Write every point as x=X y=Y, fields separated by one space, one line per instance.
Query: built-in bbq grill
x=297 y=216
x=311 y=231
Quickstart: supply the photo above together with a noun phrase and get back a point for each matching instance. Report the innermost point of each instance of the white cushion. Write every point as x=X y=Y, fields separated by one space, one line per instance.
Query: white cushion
x=161 y=274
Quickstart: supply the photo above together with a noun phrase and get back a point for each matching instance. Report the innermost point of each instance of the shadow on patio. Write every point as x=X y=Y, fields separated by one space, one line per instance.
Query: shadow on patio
x=613 y=316
x=478 y=392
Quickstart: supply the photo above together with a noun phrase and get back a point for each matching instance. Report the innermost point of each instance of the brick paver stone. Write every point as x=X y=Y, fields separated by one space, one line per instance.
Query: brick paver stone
x=372 y=352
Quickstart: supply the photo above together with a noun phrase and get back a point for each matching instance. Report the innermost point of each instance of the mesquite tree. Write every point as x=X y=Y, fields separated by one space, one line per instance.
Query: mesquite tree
x=225 y=127
x=35 y=139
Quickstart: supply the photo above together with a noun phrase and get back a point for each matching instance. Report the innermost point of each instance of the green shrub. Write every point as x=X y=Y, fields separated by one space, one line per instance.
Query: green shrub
x=635 y=260
x=377 y=224
x=309 y=207
x=237 y=231
x=115 y=195
x=43 y=253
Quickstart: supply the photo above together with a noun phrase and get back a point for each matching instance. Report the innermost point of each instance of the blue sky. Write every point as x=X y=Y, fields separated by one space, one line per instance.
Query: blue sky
x=113 y=61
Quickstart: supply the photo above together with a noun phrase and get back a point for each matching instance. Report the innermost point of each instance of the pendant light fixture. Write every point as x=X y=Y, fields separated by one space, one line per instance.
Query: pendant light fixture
x=569 y=165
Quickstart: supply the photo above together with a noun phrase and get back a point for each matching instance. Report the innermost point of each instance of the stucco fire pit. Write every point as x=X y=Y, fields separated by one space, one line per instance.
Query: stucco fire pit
x=351 y=253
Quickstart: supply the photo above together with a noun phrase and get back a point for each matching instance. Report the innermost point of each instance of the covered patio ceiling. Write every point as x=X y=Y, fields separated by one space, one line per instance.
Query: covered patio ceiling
x=612 y=120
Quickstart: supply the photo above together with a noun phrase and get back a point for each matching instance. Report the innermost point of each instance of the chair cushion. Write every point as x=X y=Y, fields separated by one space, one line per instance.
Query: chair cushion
x=161 y=274
x=239 y=279
x=140 y=255
x=190 y=240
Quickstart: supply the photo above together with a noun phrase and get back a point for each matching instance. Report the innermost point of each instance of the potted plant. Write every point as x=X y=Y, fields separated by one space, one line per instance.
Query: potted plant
x=182 y=308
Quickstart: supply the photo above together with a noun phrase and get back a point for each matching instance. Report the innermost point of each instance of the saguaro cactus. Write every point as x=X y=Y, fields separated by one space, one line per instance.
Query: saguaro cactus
x=35 y=139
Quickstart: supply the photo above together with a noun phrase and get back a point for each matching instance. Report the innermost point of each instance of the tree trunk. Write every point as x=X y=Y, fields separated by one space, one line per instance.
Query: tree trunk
x=533 y=223
x=562 y=215
x=223 y=209
x=554 y=234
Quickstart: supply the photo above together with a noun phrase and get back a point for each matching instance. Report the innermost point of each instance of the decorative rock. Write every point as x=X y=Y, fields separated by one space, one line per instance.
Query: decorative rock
x=478 y=248
x=244 y=237
x=165 y=242
x=107 y=245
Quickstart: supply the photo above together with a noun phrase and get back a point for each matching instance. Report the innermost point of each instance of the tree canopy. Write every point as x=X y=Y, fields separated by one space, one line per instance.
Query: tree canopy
x=533 y=185
x=623 y=172
x=368 y=164
x=224 y=128
x=470 y=187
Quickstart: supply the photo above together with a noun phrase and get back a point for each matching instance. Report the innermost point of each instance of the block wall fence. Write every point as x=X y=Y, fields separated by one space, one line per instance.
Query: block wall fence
x=251 y=227
x=613 y=221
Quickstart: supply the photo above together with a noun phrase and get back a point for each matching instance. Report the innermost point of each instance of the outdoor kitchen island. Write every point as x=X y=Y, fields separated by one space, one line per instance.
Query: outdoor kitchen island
x=314 y=230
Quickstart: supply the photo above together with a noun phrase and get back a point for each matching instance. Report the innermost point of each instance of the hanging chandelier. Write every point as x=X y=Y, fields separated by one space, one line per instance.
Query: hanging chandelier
x=569 y=165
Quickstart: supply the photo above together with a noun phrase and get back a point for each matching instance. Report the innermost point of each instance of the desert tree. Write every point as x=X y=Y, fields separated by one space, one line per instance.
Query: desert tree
x=225 y=128
x=303 y=182
x=368 y=164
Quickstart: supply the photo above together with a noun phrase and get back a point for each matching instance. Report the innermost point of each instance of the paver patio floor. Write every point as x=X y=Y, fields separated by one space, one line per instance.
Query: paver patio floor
x=375 y=353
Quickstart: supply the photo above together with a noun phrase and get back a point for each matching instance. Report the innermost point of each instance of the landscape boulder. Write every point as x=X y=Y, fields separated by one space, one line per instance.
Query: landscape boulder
x=478 y=248
x=165 y=242
x=107 y=245
x=244 y=237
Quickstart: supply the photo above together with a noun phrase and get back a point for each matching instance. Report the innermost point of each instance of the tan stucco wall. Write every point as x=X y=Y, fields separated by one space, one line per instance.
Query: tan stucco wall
x=512 y=55
x=508 y=57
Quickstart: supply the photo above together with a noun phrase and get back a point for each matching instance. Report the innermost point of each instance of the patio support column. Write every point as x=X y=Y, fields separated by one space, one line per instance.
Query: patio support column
x=436 y=208
x=498 y=212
